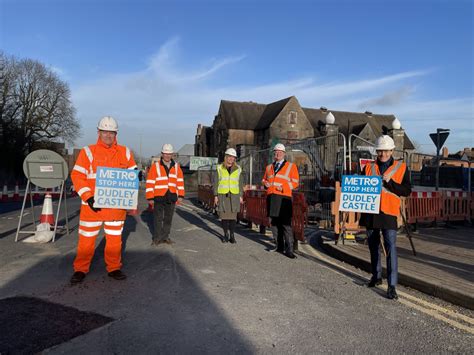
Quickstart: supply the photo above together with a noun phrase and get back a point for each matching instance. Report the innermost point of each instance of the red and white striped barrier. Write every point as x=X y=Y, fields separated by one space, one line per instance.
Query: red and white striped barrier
x=5 y=193
x=16 y=194
x=425 y=194
x=460 y=194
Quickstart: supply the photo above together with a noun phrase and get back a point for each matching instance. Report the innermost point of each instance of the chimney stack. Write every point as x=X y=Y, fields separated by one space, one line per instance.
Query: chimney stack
x=445 y=152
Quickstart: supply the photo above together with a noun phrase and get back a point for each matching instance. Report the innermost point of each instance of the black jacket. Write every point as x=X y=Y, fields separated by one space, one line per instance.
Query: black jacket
x=382 y=220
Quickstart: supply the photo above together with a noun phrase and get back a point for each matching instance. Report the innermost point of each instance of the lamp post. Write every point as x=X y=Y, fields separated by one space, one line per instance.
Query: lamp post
x=141 y=163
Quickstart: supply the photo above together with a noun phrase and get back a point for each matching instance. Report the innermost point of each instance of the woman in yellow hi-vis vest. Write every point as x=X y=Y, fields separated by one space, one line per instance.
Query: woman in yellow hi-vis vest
x=228 y=194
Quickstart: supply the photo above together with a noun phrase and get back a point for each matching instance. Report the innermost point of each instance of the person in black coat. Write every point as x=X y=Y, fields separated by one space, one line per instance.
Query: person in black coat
x=396 y=183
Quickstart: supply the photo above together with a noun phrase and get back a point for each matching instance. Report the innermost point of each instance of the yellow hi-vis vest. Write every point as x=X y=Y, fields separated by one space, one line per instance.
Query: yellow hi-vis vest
x=228 y=182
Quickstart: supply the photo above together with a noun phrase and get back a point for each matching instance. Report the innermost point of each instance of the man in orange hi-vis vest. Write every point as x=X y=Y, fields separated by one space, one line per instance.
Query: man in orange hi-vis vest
x=164 y=189
x=280 y=179
x=107 y=153
x=396 y=183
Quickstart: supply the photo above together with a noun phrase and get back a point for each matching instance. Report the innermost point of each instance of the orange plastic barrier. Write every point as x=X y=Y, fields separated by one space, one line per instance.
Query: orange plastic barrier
x=455 y=206
x=255 y=204
x=423 y=207
x=300 y=215
x=206 y=196
x=254 y=209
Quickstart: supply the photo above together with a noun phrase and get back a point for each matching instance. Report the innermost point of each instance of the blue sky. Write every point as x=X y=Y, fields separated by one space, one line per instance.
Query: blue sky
x=162 y=67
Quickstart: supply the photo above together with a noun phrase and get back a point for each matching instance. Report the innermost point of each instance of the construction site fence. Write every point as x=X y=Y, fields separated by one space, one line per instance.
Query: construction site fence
x=254 y=209
x=418 y=208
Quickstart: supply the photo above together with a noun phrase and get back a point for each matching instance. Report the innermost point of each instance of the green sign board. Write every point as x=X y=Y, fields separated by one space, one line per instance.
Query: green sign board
x=205 y=163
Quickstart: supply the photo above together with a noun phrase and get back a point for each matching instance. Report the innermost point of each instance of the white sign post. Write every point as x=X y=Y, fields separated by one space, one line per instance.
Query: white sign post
x=360 y=194
x=116 y=188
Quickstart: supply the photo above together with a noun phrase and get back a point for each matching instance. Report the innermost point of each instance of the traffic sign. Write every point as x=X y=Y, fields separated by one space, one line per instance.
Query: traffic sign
x=45 y=168
x=116 y=188
x=442 y=138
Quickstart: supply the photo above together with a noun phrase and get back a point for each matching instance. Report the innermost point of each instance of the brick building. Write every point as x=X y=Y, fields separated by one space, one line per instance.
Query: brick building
x=250 y=126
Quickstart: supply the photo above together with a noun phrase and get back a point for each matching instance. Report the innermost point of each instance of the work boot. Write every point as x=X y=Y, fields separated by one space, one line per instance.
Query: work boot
x=117 y=275
x=290 y=255
x=155 y=242
x=225 y=238
x=77 y=277
x=392 y=293
x=374 y=282
x=168 y=241
x=232 y=239
x=277 y=249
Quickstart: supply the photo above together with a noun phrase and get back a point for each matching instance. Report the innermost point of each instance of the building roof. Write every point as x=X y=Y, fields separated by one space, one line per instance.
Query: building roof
x=255 y=116
x=187 y=149
x=271 y=112
x=241 y=115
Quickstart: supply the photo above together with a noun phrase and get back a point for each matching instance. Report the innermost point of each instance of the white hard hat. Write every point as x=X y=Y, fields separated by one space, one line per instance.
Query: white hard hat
x=108 y=123
x=279 y=146
x=384 y=143
x=231 y=152
x=167 y=148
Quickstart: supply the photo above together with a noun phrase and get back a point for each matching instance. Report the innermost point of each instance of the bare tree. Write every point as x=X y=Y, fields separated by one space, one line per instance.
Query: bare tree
x=35 y=106
x=46 y=111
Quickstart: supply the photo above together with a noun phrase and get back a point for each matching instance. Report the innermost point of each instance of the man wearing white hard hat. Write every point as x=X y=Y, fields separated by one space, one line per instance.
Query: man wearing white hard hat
x=280 y=179
x=164 y=189
x=396 y=183
x=107 y=153
x=228 y=194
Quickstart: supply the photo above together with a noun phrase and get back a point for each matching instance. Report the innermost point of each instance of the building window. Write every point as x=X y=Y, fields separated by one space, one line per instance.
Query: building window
x=292 y=117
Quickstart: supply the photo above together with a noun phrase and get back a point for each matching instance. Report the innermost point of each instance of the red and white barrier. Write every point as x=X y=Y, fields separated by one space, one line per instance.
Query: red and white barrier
x=5 y=193
x=16 y=194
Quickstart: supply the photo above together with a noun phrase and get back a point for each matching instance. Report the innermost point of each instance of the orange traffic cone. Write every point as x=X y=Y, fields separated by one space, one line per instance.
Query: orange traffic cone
x=5 y=193
x=16 y=194
x=47 y=212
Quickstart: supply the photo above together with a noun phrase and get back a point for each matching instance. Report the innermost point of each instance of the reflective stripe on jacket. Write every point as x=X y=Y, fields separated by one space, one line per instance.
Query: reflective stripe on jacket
x=389 y=202
x=84 y=172
x=158 y=182
x=287 y=178
x=228 y=182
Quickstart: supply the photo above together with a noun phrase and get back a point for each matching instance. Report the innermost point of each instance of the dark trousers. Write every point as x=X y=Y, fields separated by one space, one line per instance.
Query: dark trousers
x=163 y=216
x=389 y=240
x=283 y=234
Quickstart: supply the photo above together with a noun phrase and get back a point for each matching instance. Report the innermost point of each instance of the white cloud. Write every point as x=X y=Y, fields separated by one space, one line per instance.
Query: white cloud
x=164 y=102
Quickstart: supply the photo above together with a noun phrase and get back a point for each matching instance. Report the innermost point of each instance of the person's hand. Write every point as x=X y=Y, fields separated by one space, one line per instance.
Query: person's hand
x=90 y=202
x=267 y=184
x=151 y=202
x=216 y=201
x=241 y=200
x=279 y=188
x=180 y=201
x=386 y=178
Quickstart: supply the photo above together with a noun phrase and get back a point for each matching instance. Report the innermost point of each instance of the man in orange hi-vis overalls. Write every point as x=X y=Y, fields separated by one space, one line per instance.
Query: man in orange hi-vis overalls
x=107 y=153
x=164 y=189
x=280 y=179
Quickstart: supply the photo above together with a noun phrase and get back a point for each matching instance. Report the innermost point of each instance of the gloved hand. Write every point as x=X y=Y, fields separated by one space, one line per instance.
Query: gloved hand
x=90 y=202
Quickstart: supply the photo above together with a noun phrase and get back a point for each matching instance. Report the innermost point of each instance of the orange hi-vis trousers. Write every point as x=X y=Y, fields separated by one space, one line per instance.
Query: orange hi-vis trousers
x=88 y=232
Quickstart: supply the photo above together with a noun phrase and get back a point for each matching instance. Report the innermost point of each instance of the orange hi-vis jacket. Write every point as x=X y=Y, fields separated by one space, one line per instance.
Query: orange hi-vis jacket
x=389 y=202
x=158 y=182
x=287 y=177
x=83 y=176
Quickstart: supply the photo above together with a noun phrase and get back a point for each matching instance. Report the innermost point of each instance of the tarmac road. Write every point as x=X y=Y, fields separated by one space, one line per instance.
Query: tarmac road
x=202 y=296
